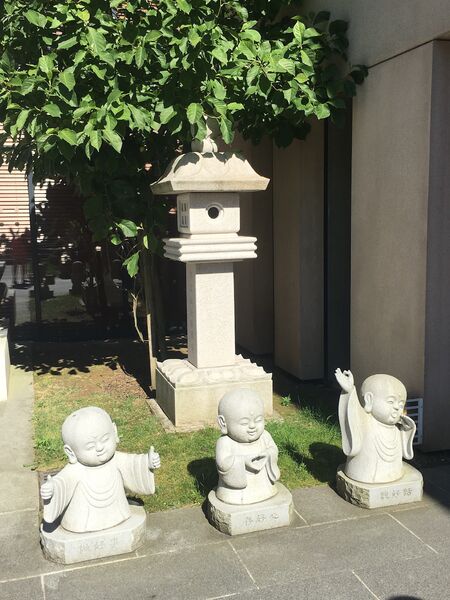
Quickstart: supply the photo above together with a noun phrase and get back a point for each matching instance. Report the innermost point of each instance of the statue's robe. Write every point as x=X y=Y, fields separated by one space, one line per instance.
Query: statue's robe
x=374 y=450
x=93 y=498
x=237 y=485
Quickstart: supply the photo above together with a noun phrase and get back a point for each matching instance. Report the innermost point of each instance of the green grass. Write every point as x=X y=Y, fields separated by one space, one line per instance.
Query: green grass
x=308 y=441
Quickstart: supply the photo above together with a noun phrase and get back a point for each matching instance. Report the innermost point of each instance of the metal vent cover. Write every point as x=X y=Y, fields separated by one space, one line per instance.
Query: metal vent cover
x=414 y=409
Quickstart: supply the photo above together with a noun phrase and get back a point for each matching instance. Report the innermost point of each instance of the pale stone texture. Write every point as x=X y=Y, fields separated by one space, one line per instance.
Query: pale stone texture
x=376 y=435
x=409 y=488
x=66 y=547
x=210 y=314
x=208 y=213
x=4 y=365
x=248 y=497
x=235 y=519
x=190 y=397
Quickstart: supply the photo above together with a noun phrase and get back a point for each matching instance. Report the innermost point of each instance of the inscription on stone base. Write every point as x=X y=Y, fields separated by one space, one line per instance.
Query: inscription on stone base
x=376 y=495
x=66 y=547
x=235 y=519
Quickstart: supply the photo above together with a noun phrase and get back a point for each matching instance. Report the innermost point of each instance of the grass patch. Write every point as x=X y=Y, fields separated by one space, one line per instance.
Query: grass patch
x=308 y=440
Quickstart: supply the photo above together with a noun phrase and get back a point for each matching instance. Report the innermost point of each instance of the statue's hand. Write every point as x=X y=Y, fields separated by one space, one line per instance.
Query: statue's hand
x=154 y=461
x=256 y=463
x=345 y=380
x=406 y=423
x=47 y=488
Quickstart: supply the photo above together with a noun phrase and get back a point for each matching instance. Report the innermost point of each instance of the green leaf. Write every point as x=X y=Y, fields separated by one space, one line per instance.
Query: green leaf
x=69 y=136
x=252 y=74
x=193 y=37
x=82 y=110
x=96 y=41
x=235 y=106
x=194 y=112
x=287 y=65
x=36 y=18
x=52 y=109
x=67 y=78
x=46 y=64
x=219 y=90
x=115 y=239
x=132 y=264
x=113 y=139
x=311 y=32
x=22 y=118
x=95 y=137
x=152 y=35
x=166 y=114
x=140 y=56
x=129 y=228
x=139 y=116
x=322 y=111
x=226 y=130
x=305 y=59
x=69 y=43
x=99 y=72
x=184 y=6
x=220 y=54
x=298 y=31
x=84 y=15
x=251 y=34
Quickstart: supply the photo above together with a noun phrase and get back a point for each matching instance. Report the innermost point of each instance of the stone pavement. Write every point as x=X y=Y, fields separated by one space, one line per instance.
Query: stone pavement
x=332 y=550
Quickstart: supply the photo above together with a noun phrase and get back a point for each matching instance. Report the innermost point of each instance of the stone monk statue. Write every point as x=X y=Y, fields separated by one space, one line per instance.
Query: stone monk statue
x=246 y=455
x=89 y=491
x=376 y=434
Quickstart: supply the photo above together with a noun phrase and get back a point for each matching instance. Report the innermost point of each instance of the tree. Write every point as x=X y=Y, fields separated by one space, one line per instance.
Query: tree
x=102 y=93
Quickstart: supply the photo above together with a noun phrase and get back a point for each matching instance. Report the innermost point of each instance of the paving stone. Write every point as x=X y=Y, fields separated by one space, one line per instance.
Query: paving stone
x=335 y=586
x=430 y=523
x=26 y=589
x=174 y=530
x=323 y=504
x=210 y=571
x=20 y=552
x=311 y=551
x=18 y=491
x=425 y=579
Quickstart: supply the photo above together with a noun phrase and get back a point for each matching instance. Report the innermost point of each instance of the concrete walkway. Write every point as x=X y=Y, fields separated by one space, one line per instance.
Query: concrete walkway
x=332 y=551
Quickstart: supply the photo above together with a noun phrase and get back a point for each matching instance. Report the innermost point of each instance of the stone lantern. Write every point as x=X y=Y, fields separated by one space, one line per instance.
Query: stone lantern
x=208 y=185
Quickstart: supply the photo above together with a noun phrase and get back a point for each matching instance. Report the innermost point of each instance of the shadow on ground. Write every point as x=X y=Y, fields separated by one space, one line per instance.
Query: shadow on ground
x=204 y=472
x=324 y=462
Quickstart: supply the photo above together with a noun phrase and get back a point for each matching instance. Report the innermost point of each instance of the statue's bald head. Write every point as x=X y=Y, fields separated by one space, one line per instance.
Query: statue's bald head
x=239 y=402
x=89 y=436
x=380 y=385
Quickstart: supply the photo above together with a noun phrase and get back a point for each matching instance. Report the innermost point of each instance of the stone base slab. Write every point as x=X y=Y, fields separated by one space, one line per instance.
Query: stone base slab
x=190 y=396
x=235 y=519
x=376 y=495
x=66 y=547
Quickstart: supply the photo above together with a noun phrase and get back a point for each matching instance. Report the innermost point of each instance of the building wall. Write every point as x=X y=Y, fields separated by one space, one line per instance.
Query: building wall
x=298 y=200
x=391 y=125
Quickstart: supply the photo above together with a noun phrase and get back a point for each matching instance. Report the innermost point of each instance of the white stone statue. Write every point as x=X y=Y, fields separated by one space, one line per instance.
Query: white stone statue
x=246 y=455
x=89 y=491
x=376 y=434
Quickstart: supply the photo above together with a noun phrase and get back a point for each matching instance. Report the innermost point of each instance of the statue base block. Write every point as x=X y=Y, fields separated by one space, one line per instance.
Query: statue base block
x=235 y=519
x=190 y=396
x=66 y=547
x=408 y=488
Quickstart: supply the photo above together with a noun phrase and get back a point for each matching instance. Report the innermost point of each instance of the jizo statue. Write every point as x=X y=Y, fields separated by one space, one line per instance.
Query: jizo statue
x=376 y=434
x=89 y=491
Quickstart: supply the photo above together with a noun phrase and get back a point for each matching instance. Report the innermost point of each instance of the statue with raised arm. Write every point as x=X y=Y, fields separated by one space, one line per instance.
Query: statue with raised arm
x=376 y=432
x=247 y=465
x=88 y=494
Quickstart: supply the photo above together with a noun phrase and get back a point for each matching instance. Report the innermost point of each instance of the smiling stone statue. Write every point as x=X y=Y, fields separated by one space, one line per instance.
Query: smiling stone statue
x=376 y=436
x=247 y=464
x=88 y=494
